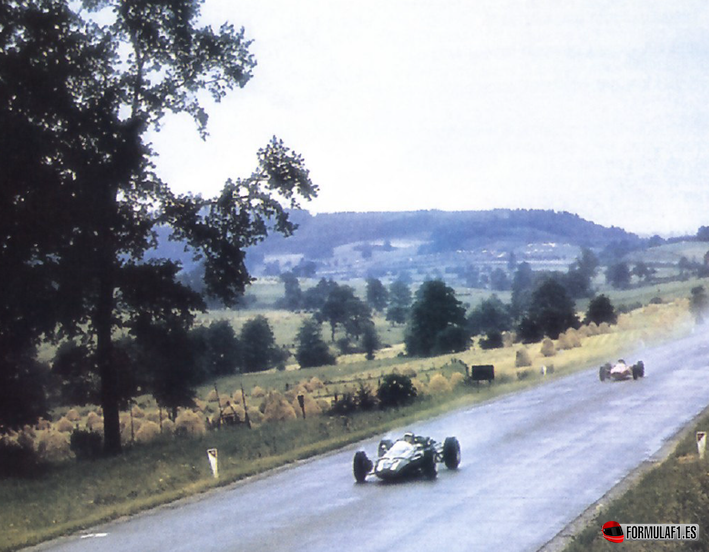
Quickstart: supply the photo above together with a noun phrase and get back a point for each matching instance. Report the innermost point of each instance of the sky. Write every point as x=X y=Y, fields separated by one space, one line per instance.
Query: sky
x=599 y=108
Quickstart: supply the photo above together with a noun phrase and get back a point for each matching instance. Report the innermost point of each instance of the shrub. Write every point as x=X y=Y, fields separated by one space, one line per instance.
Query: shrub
x=190 y=423
x=345 y=404
x=522 y=358
x=548 y=348
x=493 y=340
x=86 y=445
x=147 y=432
x=523 y=374
x=396 y=390
x=365 y=398
x=439 y=385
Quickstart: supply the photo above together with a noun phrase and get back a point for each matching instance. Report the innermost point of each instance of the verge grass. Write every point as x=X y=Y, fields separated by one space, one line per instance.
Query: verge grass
x=73 y=495
x=676 y=491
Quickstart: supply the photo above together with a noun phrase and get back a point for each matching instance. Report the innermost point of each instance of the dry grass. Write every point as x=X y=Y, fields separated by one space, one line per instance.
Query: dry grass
x=439 y=385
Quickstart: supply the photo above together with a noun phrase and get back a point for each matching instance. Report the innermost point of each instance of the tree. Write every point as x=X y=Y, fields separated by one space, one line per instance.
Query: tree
x=499 y=280
x=315 y=297
x=522 y=286
x=618 y=275
x=698 y=302
x=77 y=102
x=258 y=345
x=217 y=349
x=343 y=307
x=491 y=315
x=437 y=322
x=643 y=271
x=312 y=351
x=377 y=294
x=551 y=311
x=703 y=233
x=293 y=297
x=399 y=302
x=370 y=340
x=600 y=310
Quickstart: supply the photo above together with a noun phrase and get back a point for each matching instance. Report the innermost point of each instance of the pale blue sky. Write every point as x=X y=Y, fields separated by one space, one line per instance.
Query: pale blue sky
x=600 y=108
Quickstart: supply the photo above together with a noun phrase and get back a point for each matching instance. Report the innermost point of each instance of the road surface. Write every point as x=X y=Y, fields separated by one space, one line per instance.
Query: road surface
x=532 y=462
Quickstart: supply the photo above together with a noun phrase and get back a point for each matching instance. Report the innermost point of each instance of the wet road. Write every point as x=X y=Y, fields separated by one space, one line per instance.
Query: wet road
x=532 y=462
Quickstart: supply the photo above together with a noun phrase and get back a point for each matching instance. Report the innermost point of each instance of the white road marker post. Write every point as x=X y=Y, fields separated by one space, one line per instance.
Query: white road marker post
x=701 y=443
x=212 y=455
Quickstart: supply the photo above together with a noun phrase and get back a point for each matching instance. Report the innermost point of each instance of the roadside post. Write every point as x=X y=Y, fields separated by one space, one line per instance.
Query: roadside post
x=701 y=443
x=212 y=455
x=301 y=402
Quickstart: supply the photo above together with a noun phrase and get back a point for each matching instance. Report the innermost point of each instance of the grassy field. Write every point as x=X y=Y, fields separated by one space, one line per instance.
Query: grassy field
x=71 y=495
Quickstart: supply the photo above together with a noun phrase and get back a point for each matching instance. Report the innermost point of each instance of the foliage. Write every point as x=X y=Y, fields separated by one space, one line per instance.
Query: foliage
x=377 y=294
x=491 y=315
x=78 y=381
x=698 y=302
x=80 y=196
x=217 y=350
x=370 y=341
x=23 y=395
x=396 y=390
x=492 y=340
x=342 y=307
x=600 y=310
x=551 y=312
x=258 y=345
x=315 y=297
x=437 y=322
x=86 y=445
x=293 y=298
x=618 y=275
x=522 y=286
x=399 y=302
x=18 y=460
x=312 y=351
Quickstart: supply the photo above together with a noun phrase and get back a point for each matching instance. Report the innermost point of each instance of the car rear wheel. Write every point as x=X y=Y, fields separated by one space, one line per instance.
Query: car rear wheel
x=361 y=466
x=451 y=453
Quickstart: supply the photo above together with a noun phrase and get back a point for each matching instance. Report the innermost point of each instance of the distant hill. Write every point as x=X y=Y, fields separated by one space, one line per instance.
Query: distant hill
x=344 y=245
x=444 y=231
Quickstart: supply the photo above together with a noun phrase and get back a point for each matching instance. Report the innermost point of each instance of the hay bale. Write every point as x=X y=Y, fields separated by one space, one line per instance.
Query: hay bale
x=316 y=383
x=138 y=412
x=255 y=416
x=408 y=371
x=419 y=386
x=323 y=404
x=563 y=343
x=508 y=339
x=147 y=432
x=153 y=416
x=583 y=332
x=190 y=423
x=312 y=408
x=548 y=349
x=277 y=408
x=26 y=439
x=604 y=328
x=257 y=392
x=168 y=426
x=522 y=358
x=53 y=446
x=592 y=329
x=73 y=415
x=212 y=396
x=94 y=421
x=43 y=424
x=574 y=339
x=456 y=379
x=200 y=405
x=64 y=426
x=438 y=385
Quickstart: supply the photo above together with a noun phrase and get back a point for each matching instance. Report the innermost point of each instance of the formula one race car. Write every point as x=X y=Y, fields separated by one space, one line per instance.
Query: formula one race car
x=409 y=456
x=621 y=371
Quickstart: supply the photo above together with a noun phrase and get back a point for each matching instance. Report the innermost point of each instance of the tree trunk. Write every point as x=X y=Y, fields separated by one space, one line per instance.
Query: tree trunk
x=106 y=366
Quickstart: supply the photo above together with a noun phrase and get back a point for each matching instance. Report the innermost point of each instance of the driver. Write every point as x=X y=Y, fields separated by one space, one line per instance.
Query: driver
x=409 y=437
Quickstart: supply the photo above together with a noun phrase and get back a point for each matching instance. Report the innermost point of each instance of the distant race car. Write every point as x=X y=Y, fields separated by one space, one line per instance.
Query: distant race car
x=621 y=371
x=409 y=456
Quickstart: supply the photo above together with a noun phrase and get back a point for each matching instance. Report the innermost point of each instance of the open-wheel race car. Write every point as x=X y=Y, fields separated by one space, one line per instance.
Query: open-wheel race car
x=409 y=456
x=621 y=371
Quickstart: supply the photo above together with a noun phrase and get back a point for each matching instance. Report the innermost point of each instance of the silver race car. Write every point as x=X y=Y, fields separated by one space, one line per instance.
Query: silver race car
x=412 y=455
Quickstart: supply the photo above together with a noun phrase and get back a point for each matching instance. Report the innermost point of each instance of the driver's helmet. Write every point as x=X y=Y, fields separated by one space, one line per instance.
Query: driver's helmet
x=409 y=437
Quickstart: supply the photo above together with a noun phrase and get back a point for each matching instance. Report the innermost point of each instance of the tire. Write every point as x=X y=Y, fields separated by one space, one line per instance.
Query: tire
x=361 y=466
x=430 y=468
x=636 y=372
x=451 y=453
x=602 y=373
x=384 y=446
x=641 y=368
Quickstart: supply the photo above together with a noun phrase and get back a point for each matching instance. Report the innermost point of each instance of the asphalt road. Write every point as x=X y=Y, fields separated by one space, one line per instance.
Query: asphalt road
x=532 y=462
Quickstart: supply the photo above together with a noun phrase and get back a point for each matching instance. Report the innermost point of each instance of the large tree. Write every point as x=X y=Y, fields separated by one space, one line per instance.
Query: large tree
x=79 y=195
x=437 y=321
